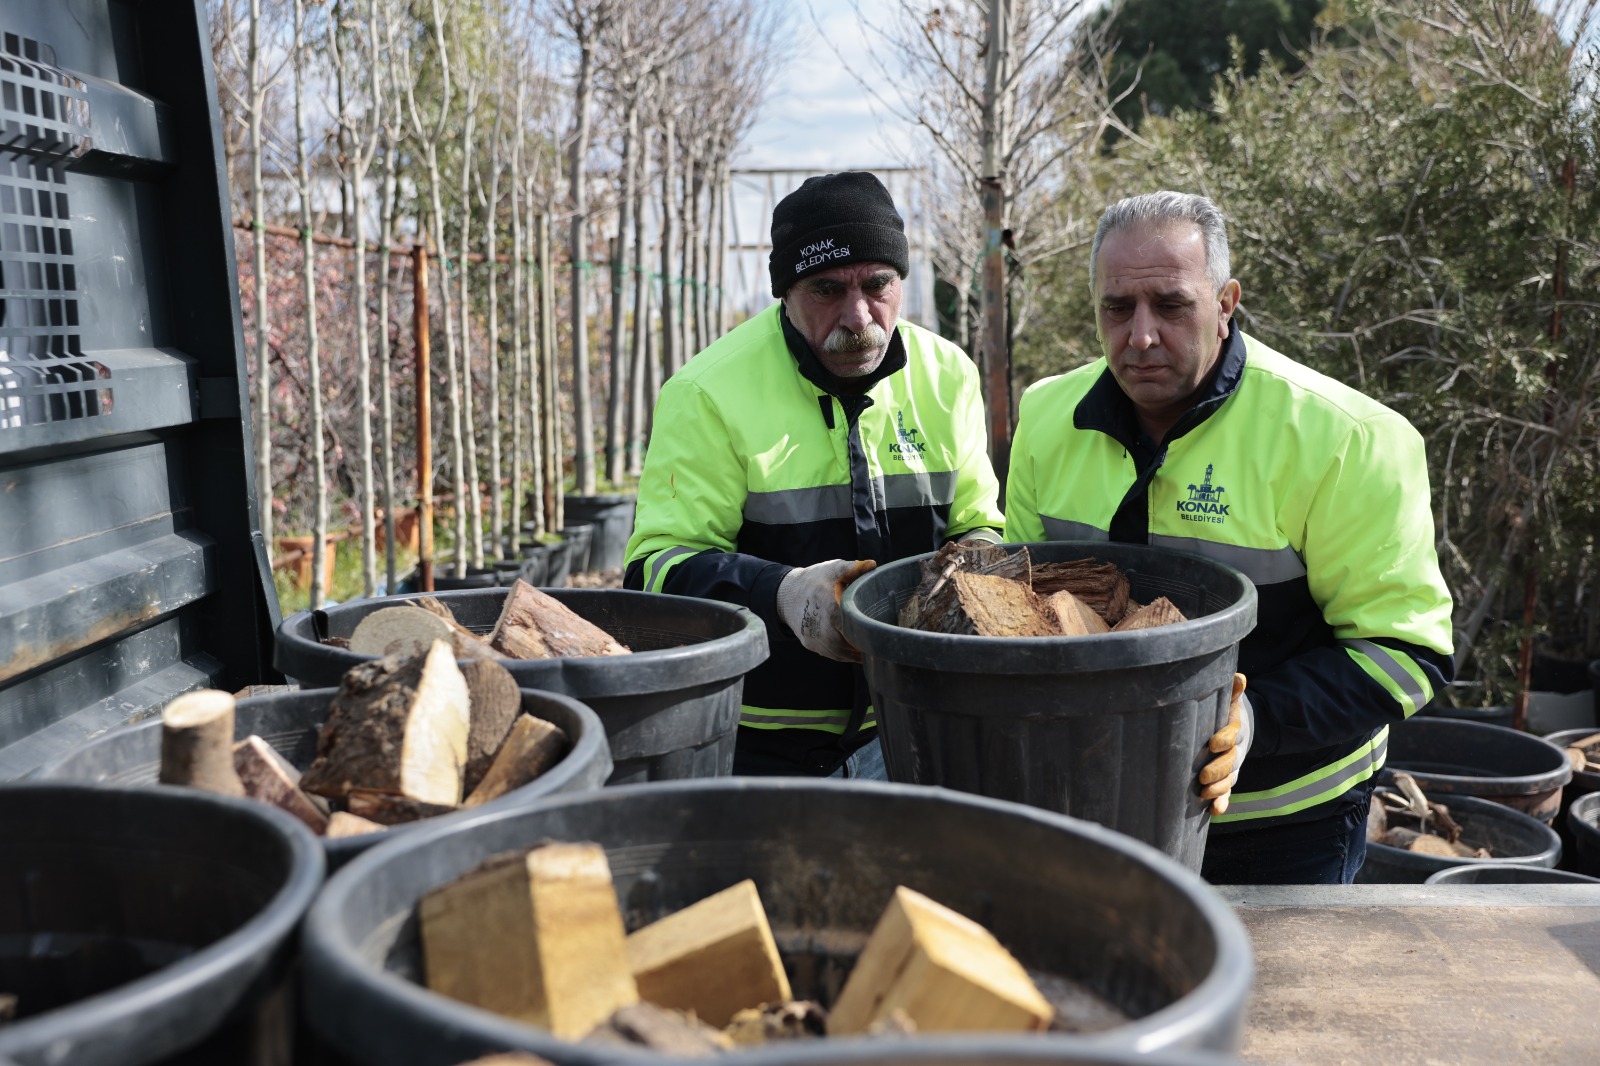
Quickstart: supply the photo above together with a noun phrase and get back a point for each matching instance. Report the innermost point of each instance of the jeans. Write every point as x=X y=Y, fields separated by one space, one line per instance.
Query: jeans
x=1325 y=851
x=864 y=764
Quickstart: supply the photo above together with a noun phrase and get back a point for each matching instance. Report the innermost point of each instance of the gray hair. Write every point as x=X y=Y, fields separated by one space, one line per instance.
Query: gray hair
x=1168 y=206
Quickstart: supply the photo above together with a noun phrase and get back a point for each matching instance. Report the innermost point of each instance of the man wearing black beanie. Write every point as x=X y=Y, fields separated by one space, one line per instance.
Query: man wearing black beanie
x=820 y=438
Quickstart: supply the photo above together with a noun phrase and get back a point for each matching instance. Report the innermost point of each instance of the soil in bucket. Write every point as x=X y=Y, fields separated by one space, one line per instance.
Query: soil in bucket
x=670 y=709
x=149 y=925
x=1090 y=907
x=1111 y=727
x=291 y=722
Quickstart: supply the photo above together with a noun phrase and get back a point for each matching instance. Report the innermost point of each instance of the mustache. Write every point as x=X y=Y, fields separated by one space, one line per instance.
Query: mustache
x=843 y=340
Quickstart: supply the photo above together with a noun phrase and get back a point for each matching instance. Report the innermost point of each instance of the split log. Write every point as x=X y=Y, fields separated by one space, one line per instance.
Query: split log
x=667 y=1032
x=495 y=703
x=1103 y=586
x=469 y=645
x=715 y=957
x=1074 y=617
x=1001 y=607
x=402 y=630
x=197 y=743
x=535 y=937
x=1158 y=612
x=269 y=777
x=946 y=972
x=933 y=603
x=533 y=625
x=397 y=725
x=532 y=747
x=345 y=824
x=391 y=808
x=798 y=1019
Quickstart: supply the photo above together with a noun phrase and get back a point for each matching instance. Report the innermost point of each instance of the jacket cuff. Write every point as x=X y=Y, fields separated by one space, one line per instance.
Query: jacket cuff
x=764 y=599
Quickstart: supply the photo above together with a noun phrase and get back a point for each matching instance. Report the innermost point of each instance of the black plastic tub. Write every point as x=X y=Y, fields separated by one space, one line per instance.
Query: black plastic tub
x=1505 y=873
x=611 y=515
x=1500 y=716
x=1111 y=728
x=445 y=578
x=671 y=709
x=1086 y=904
x=509 y=571
x=147 y=925
x=1450 y=758
x=1583 y=824
x=291 y=721
x=964 y=1050
x=579 y=538
x=536 y=562
x=1583 y=782
x=1510 y=836
x=559 y=566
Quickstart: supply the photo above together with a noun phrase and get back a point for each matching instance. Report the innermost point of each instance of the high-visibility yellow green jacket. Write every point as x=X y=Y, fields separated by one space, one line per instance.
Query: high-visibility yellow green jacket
x=1316 y=492
x=755 y=468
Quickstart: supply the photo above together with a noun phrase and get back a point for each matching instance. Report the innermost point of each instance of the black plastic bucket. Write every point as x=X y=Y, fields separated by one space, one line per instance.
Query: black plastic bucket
x=1583 y=782
x=1068 y=898
x=960 y=1049
x=445 y=578
x=1583 y=825
x=559 y=567
x=508 y=571
x=1500 y=716
x=1510 y=836
x=536 y=562
x=147 y=925
x=1450 y=758
x=579 y=538
x=1111 y=728
x=671 y=709
x=290 y=722
x=611 y=514
x=1505 y=873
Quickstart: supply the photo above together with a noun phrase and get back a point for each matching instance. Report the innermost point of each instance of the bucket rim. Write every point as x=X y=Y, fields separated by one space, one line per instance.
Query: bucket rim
x=1052 y=654
x=731 y=655
x=337 y=958
x=1477 y=806
x=1503 y=785
x=239 y=952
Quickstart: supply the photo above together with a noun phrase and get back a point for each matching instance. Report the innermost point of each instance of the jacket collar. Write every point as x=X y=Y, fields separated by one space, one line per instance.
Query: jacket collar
x=812 y=370
x=1106 y=408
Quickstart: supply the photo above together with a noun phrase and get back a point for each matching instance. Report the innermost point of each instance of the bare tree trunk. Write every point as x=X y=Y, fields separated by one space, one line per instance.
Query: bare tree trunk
x=452 y=382
x=685 y=296
x=308 y=265
x=720 y=260
x=468 y=397
x=708 y=236
x=582 y=415
x=386 y=362
x=669 y=252
x=996 y=335
x=537 y=234
x=258 y=237
x=497 y=514
x=547 y=322
x=693 y=242
x=641 y=317
x=518 y=307
x=617 y=401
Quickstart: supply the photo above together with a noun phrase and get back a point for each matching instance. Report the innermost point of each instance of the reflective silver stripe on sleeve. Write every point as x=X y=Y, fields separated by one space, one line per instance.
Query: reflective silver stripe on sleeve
x=1318 y=787
x=658 y=565
x=1388 y=662
x=1263 y=566
x=983 y=533
x=789 y=507
x=1061 y=529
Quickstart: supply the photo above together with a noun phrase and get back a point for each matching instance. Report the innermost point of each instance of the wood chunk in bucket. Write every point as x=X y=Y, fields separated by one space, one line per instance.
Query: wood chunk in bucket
x=1000 y=607
x=1159 y=612
x=533 y=625
x=1075 y=617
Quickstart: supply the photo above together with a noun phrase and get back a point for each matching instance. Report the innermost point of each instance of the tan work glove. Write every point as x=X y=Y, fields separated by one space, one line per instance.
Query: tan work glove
x=808 y=603
x=1229 y=744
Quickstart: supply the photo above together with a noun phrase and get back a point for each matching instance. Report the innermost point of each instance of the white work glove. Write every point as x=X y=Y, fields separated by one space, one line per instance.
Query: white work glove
x=1229 y=744
x=808 y=603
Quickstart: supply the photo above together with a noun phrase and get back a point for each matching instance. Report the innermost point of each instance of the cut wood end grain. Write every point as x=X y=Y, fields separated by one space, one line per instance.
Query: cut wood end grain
x=532 y=747
x=533 y=625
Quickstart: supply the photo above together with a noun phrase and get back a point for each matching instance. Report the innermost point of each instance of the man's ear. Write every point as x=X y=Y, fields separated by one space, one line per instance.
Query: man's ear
x=1227 y=300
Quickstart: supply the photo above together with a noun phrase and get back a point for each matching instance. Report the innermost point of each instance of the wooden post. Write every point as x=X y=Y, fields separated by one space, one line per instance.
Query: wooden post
x=419 y=331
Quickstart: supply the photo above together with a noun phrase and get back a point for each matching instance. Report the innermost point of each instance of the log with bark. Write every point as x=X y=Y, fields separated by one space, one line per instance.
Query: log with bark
x=533 y=625
x=197 y=743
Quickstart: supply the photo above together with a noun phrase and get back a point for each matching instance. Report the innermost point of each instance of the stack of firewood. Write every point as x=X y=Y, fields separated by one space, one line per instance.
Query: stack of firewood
x=408 y=736
x=1401 y=816
x=706 y=978
x=992 y=592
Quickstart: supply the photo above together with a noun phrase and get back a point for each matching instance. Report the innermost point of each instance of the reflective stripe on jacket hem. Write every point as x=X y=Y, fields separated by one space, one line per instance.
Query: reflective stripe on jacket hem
x=1328 y=783
x=825 y=721
x=780 y=507
x=661 y=563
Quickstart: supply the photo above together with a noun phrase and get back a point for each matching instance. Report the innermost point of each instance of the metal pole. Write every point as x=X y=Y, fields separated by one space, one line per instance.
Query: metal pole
x=419 y=330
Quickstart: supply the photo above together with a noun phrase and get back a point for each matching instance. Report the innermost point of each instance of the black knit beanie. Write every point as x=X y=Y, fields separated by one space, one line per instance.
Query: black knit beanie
x=832 y=221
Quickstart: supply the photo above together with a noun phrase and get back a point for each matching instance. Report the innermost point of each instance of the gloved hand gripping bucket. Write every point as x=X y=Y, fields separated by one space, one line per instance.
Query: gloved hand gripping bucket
x=1111 y=728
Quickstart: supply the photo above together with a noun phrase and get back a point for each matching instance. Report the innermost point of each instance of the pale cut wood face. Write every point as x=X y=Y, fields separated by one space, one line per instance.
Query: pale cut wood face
x=434 y=752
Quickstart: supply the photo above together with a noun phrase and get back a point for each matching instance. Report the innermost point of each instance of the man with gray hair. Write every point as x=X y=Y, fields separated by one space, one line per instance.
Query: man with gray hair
x=1191 y=436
